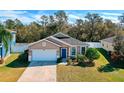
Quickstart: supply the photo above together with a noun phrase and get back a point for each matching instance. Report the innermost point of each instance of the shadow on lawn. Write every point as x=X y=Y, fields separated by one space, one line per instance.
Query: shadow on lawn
x=104 y=53
x=112 y=64
x=107 y=68
x=21 y=61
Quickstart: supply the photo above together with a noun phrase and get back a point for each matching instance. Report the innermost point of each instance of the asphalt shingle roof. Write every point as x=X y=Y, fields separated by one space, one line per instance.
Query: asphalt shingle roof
x=61 y=35
x=111 y=39
x=69 y=39
x=54 y=41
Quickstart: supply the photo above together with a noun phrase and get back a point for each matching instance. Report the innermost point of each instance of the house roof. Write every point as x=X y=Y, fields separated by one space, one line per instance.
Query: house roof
x=68 y=39
x=111 y=39
x=42 y=40
x=61 y=35
x=57 y=41
x=61 y=38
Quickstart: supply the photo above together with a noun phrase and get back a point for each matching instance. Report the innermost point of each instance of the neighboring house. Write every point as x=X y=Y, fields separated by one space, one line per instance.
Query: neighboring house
x=11 y=44
x=108 y=43
x=56 y=46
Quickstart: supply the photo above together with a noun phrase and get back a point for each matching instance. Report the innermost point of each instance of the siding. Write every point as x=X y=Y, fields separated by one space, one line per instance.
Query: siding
x=38 y=45
x=107 y=46
x=94 y=44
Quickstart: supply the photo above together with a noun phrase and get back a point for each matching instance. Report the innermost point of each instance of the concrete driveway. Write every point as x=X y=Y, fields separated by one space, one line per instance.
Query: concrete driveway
x=39 y=72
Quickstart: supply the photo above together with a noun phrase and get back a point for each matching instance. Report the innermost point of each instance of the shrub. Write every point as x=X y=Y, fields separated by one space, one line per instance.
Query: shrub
x=106 y=68
x=84 y=61
x=69 y=61
x=59 y=60
x=73 y=57
x=92 y=54
x=1 y=61
x=82 y=58
x=24 y=56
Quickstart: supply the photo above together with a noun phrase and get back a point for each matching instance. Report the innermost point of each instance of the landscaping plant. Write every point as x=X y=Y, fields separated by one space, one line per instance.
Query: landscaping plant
x=69 y=61
x=106 y=68
x=59 y=60
x=92 y=54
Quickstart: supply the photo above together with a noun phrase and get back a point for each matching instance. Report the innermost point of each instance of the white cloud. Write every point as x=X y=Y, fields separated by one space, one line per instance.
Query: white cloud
x=26 y=19
x=111 y=14
x=74 y=16
x=113 y=19
x=11 y=13
x=71 y=22
x=27 y=16
x=21 y=15
x=37 y=17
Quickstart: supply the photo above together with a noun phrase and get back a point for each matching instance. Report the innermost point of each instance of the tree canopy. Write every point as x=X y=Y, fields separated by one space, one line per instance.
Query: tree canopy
x=91 y=28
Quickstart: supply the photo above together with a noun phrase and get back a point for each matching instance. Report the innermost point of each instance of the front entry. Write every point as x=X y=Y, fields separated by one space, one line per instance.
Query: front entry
x=63 y=52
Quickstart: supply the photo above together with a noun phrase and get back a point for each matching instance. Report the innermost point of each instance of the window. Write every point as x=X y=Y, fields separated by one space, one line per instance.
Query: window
x=73 y=51
x=83 y=50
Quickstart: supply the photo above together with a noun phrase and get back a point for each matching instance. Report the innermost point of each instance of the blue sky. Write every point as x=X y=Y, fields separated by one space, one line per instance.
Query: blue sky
x=27 y=16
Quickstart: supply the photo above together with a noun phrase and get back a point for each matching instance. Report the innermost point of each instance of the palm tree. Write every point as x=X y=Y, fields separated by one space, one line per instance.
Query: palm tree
x=5 y=38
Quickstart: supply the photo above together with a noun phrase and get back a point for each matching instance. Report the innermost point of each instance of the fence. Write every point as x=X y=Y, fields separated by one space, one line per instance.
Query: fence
x=20 y=47
x=94 y=44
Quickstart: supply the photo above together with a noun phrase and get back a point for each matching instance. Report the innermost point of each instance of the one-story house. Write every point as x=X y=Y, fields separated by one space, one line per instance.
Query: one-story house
x=11 y=44
x=56 y=46
x=108 y=43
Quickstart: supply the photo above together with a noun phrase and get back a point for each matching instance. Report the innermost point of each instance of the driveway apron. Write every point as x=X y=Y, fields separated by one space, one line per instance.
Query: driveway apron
x=39 y=72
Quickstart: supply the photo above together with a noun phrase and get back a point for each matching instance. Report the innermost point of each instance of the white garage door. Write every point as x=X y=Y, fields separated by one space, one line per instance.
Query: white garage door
x=44 y=55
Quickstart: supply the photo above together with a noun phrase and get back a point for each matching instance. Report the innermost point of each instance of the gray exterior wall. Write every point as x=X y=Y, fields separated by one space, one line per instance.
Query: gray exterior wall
x=107 y=46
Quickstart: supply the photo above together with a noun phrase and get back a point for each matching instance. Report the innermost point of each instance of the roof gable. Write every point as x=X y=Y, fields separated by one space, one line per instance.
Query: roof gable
x=57 y=41
x=61 y=35
x=41 y=41
x=67 y=39
x=61 y=39
x=111 y=39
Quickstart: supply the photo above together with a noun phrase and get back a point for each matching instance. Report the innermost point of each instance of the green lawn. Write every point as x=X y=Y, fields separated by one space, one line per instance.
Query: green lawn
x=13 y=68
x=89 y=74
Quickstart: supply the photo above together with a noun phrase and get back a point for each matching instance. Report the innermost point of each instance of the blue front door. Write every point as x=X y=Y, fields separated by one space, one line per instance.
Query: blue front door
x=63 y=53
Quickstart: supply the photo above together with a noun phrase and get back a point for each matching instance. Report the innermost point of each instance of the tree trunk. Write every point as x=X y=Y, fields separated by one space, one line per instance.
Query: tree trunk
x=1 y=59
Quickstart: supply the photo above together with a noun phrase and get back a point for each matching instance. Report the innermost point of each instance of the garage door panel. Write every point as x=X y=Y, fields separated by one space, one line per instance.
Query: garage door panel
x=44 y=55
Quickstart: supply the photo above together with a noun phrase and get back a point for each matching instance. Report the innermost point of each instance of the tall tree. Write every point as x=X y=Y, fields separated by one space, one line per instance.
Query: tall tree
x=52 y=26
x=10 y=24
x=62 y=20
x=77 y=30
x=119 y=44
x=18 y=24
x=5 y=37
x=93 y=21
x=44 y=21
x=121 y=20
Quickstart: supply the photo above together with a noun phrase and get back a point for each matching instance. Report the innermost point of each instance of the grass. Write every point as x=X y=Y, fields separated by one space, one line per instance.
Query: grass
x=13 y=68
x=89 y=74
